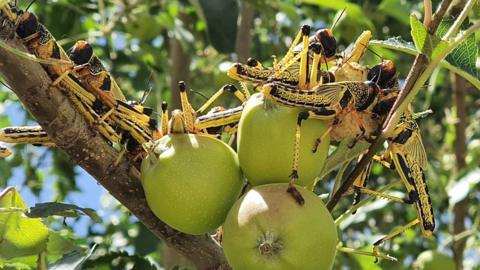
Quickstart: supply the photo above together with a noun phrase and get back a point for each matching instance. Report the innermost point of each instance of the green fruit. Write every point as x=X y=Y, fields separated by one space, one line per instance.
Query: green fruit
x=266 y=229
x=266 y=141
x=433 y=260
x=192 y=183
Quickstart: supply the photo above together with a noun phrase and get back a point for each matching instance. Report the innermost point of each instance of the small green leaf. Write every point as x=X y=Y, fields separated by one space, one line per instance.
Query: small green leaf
x=395 y=43
x=59 y=245
x=428 y=44
x=61 y=209
x=465 y=55
x=71 y=261
x=19 y=235
x=20 y=263
x=221 y=18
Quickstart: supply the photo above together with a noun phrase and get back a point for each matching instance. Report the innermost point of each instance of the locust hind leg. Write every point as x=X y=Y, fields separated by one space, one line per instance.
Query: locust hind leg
x=228 y=87
x=391 y=235
x=296 y=157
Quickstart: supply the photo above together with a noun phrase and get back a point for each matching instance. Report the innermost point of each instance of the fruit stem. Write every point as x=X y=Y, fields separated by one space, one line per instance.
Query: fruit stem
x=269 y=244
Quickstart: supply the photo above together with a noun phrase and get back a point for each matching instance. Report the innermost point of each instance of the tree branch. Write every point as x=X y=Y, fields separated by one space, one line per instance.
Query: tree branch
x=68 y=129
x=438 y=16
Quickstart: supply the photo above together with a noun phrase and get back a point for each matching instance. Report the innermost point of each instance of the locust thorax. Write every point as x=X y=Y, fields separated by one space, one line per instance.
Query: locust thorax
x=81 y=53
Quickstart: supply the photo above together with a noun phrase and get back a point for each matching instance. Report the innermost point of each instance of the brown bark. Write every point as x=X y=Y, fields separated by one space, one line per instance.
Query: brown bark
x=243 y=39
x=68 y=129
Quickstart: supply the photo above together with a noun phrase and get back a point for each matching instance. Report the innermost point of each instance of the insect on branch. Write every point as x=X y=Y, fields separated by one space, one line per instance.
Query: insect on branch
x=419 y=73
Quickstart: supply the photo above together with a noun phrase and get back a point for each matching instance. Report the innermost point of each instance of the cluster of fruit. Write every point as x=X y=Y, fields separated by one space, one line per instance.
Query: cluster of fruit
x=314 y=94
x=192 y=180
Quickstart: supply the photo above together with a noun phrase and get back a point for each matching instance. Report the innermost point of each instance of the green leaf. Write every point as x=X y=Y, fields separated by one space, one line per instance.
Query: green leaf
x=395 y=43
x=61 y=209
x=343 y=153
x=465 y=55
x=400 y=10
x=4 y=119
x=353 y=11
x=399 y=44
x=19 y=263
x=428 y=44
x=19 y=235
x=221 y=18
x=15 y=266
x=59 y=245
x=71 y=261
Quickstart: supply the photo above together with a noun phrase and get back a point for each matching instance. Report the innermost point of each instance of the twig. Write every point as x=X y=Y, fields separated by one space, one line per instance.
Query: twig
x=458 y=22
x=438 y=16
x=354 y=208
x=427 y=7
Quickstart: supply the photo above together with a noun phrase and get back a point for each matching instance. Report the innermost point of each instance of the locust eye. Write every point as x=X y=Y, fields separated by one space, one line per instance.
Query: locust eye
x=239 y=68
x=252 y=62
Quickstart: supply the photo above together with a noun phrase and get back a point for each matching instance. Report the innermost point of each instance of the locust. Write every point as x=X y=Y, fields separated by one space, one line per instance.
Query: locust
x=34 y=135
x=214 y=122
x=55 y=61
x=91 y=88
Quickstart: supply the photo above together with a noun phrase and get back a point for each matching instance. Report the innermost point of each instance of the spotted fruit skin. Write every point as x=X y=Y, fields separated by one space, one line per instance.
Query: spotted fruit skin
x=266 y=140
x=266 y=229
x=192 y=183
